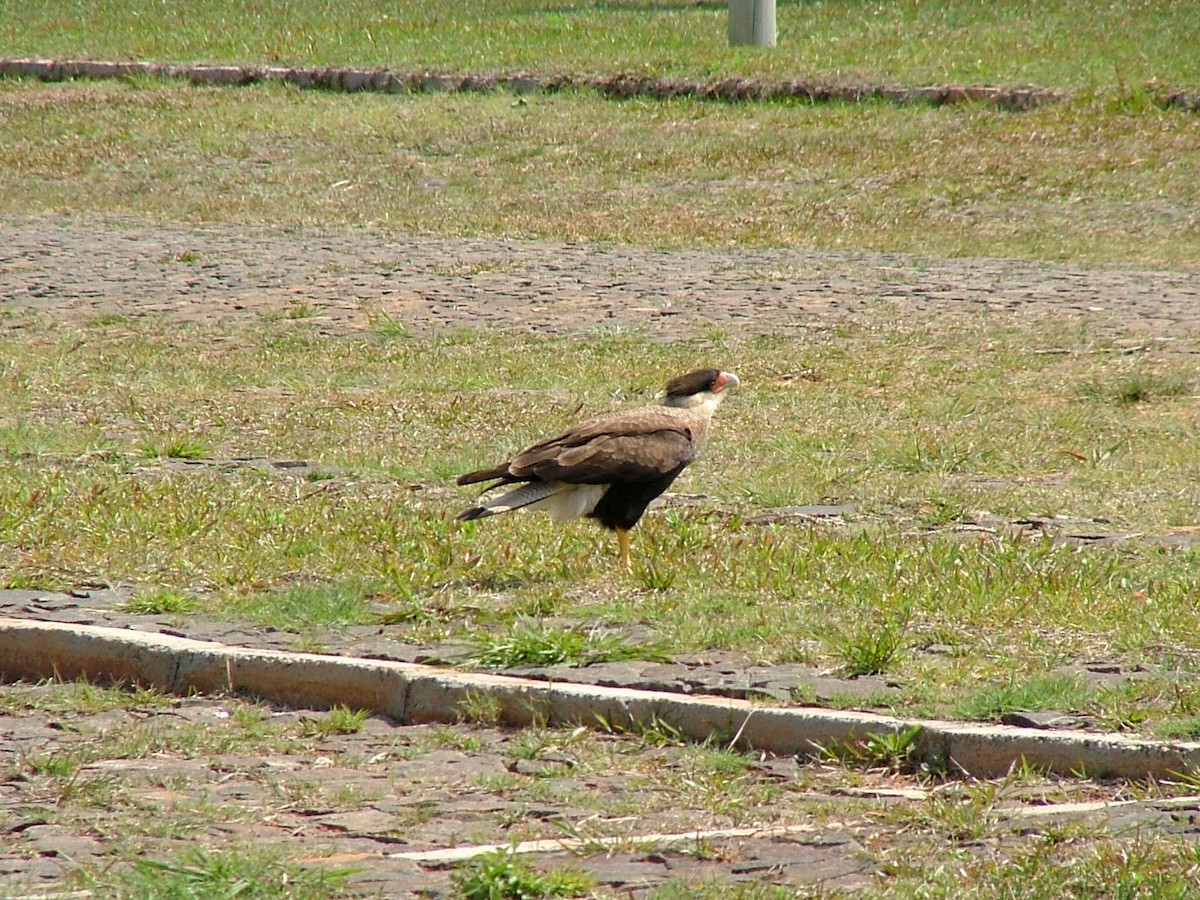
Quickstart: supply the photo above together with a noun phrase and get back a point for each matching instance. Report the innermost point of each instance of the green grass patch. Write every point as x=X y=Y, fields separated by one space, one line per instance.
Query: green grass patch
x=894 y=752
x=176 y=446
x=1138 y=387
x=1054 y=864
x=385 y=326
x=1061 y=693
x=160 y=601
x=81 y=696
x=305 y=607
x=340 y=720
x=1073 y=181
x=197 y=872
x=1012 y=600
x=873 y=641
x=532 y=643
x=503 y=876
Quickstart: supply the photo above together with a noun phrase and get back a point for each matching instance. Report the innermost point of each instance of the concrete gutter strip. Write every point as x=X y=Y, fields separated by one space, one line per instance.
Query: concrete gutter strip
x=451 y=855
x=621 y=85
x=414 y=694
x=568 y=845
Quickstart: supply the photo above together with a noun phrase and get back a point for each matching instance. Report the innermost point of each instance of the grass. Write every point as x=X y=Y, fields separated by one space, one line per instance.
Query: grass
x=502 y=876
x=83 y=696
x=1076 y=181
x=529 y=643
x=232 y=873
x=1139 y=387
x=1085 y=46
x=892 y=752
x=1060 y=693
x=1054 y=865
x=176 y=446
x=1107 y=177
x=873 y=643
x=339 y=720
x=160 y=601
x=336 y=604
x=1034 y=436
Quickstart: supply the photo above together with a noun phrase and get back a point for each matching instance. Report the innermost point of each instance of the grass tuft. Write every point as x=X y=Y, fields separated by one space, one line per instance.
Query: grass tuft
x=385 y=326
x=891 y=751
x=1060 y=693
x=308 y=606
x=480 y=708
x=1138 y=387
x=197 y=872
x=176 y=446
x=532 y=643
x=655 y=733
x=502 y=876
x=872 y=643
x=160 y=601
x=338 y=721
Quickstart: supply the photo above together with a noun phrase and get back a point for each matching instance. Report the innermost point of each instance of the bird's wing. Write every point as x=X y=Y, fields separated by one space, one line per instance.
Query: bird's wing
x=638 y=446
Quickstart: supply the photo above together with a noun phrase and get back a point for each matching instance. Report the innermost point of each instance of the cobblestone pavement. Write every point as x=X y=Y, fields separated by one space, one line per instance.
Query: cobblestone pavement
x=433 y=284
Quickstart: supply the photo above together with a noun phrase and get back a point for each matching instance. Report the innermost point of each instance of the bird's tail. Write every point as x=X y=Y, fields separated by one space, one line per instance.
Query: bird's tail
x=500 y=471
x=507 y=502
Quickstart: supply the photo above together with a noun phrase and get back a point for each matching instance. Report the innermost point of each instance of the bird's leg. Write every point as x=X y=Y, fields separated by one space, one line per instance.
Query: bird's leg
x=623 y=545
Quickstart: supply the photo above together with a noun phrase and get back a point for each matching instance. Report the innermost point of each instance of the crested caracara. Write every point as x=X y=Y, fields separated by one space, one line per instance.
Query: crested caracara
x=609 y=469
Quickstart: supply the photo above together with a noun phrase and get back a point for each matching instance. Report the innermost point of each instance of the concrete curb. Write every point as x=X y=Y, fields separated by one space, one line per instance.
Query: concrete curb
x=413 y=694
x=728 y=89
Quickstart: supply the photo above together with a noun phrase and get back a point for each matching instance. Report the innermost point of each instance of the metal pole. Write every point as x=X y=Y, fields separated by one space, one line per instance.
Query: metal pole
x=752 y=22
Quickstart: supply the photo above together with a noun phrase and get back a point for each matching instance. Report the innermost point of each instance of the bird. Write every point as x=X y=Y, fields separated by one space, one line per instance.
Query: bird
x=610 y=468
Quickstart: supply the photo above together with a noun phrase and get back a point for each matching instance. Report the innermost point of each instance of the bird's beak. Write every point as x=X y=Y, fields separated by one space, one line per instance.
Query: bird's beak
x=725 y=381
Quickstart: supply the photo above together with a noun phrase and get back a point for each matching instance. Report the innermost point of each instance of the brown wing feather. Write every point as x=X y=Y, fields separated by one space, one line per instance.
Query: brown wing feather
x=638 y=446
x=626 y=458
x=642 y=445
x=637 y=422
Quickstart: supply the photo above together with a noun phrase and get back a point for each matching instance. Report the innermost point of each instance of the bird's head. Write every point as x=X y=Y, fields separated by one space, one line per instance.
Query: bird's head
x=704 y=388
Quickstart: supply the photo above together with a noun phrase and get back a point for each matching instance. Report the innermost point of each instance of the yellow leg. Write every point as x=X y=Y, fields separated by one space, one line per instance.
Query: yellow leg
x=623 y=544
